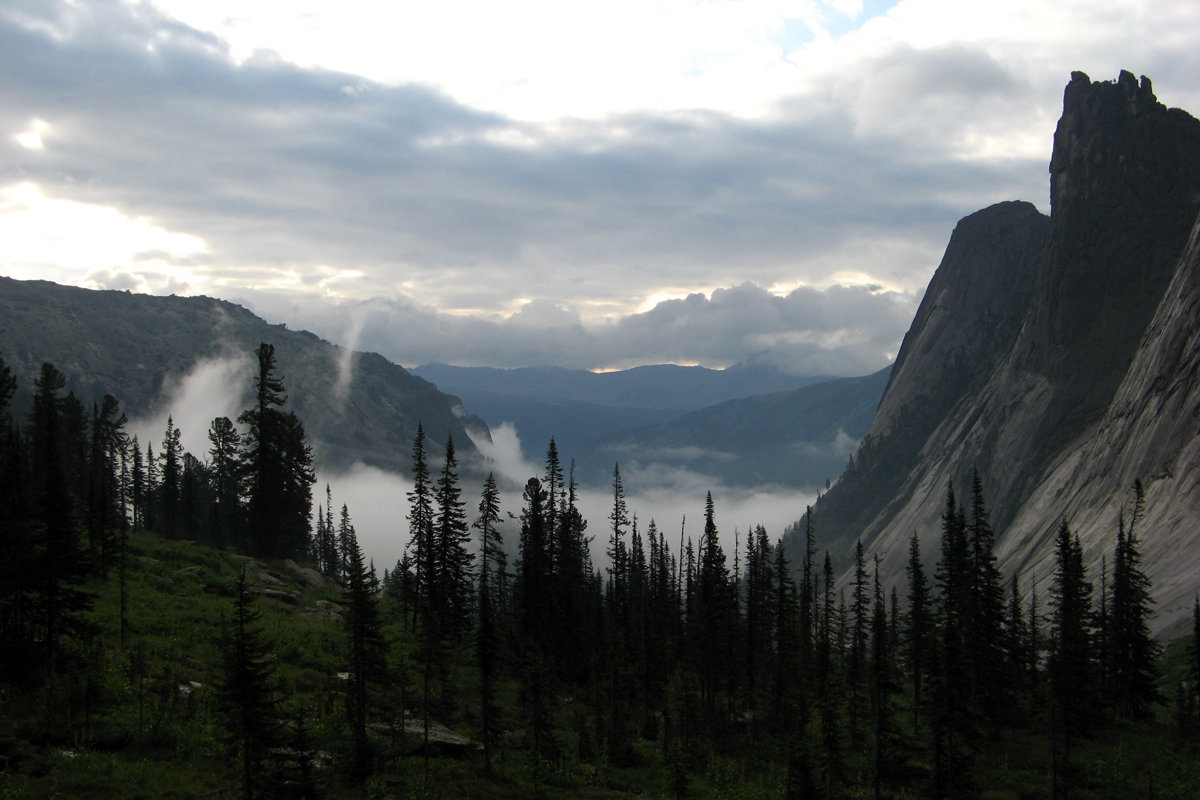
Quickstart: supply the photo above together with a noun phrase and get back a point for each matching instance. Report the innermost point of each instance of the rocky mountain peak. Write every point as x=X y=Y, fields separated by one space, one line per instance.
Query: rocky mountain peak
x=1055 y=357
x=1125 y=189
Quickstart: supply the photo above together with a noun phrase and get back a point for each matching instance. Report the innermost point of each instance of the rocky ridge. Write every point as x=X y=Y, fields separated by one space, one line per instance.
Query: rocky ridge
x=1083 y=383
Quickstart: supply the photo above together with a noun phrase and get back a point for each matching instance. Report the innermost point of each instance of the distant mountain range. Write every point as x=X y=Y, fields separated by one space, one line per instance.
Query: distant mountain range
x=744 y=426
x=1058 y=356
x=655 y=386
x=801 y=438
x=355 y=407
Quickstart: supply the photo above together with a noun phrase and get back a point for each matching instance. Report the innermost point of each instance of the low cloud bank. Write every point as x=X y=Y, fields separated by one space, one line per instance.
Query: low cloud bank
x=378 y=503
x=213 y=387
x=838 y=330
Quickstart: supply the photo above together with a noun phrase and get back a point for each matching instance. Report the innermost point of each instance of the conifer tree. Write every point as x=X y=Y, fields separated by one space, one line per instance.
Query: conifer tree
x=618 y=553
x=860 y=613
x=106 y=498
x=277 y=468
x=1133 y=650
x=16 y=539
x=828 y=691
x=59 y=564
x=248 y=694
x=881 y=687
x=137 y=488
x=918 y=626
x=491 y=564
x=1016 y=644
x=226 y=481
x=1072 y=678
x=421 y=535
x=170 y=489
x=952 y=716
x=452 y=559
x=985 y=609
x=367 y=651
x=713 y=628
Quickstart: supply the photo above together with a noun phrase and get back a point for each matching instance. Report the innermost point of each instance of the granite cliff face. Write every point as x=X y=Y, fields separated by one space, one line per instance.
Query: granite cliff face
x=1054 y=356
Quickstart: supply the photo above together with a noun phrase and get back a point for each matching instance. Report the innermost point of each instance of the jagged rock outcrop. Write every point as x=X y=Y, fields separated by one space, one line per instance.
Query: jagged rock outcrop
x=1046 y=407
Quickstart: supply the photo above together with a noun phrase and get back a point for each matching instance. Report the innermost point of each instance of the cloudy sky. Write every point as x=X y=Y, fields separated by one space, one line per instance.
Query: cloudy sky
x=586 y=184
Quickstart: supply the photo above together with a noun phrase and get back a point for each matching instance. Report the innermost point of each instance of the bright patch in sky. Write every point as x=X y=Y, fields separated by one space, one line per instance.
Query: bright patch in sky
x=65 y=240
x=541 y=59
x=31 y=139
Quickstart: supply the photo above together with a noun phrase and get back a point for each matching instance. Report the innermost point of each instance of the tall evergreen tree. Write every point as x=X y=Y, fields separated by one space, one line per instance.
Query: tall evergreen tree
x=1133 y=650
x=226 y=481
x=860 y=611
x=59 y=564
x=985 y=607
x=277 y=468
x=1072 y=677
x=170 y=489
x=106 y=498
x=452 y=559
x=367 y=651
x=248 y=694
x=918 y=627
x=421 y=531
x=953 y=717
x=491 y=566
x=881 y=689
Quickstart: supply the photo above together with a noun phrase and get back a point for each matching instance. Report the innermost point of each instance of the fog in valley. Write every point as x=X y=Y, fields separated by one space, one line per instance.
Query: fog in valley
x=377 y=499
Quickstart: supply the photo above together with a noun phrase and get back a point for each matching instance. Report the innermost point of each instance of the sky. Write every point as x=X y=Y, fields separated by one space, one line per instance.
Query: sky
x=592 y=185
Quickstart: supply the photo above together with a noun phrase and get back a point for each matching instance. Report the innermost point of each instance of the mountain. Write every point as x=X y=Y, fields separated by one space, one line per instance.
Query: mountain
x=354 y=406
x=579 y=408
x=800 y=438
x=1057 y=356
x=573 y=424
x=656 y=386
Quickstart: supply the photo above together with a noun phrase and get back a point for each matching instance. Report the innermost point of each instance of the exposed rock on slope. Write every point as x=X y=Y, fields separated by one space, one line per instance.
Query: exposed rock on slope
x=132 y=345
x=1044 y=404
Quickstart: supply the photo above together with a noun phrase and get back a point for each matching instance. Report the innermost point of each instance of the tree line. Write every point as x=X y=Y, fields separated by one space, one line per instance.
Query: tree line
x=670 y=645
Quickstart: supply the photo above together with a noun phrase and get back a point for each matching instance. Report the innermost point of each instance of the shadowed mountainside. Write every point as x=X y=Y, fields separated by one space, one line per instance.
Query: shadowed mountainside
x=354 y=406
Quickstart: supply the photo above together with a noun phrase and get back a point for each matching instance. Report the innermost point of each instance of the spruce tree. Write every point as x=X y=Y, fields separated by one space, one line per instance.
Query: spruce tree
x=59 y=565
x=953 y=718
x=226 y=481
x=1072 y=677
x=452 y=559
x=985 y=608
x=1133 y=650
x=860 y=611
x=881 y=688
x=491 y=565
x=918 y=627
x=248 y=700
x=367 y=651
x=170 y=489
x=276 y=467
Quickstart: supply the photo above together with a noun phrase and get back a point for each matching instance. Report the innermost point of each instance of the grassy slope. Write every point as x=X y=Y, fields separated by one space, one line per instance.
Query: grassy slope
x=147 y=736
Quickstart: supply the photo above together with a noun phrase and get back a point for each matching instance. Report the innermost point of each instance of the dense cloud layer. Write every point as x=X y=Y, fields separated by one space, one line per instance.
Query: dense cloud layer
x=142 y=154
x=838 y=331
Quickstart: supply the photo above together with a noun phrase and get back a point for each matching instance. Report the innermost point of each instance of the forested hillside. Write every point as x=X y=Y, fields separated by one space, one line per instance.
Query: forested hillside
x=357 y=406
x=174 y=627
